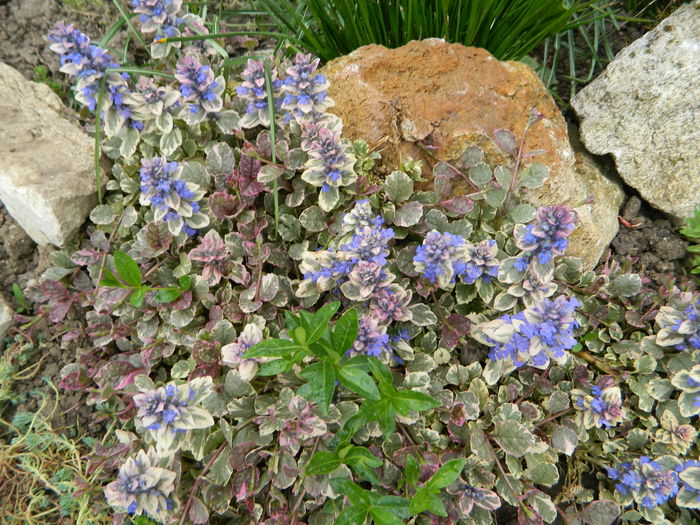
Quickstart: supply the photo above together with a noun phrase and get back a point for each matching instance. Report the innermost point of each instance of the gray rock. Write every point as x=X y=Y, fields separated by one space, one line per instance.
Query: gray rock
x=6 y=318
x=645 y=111
x=47 y=179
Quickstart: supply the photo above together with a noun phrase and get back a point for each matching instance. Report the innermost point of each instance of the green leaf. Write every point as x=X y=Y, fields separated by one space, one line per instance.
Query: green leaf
x=358 y=381
x=168 y=295
x=318 y=323
x=322 y=462
x=542 y=473
x=380 y=371
x=384 y=517
x=564 y=439
x=273 y=348
x=272 y=368
x=185 y=282
x=313 y=219
x=480 y=174
x=362 y=456
x=109 y=279
x=412 y=471
x=600 y=512
x=345 y=331
x=127 y=268
x=424 y=500
x=409 y=214
x=321 y=377
x=627 y=285
x=352 y=516
x=137 y=296
x=446 y=474
x=356 y=494
x=691 y=476
x=407 y=400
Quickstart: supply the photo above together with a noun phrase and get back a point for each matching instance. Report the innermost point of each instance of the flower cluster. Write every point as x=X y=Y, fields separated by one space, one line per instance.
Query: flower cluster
x=173 y=200
x=534 y=336
x=444 y=256
x=254 y=93
x=547 y=236
x=330 y=166
x=86 y=62
x=358 y=267
x=171 y=410
x=144 y=485
x=646 y=481
x=603 y=407
x=200 y=90
x=232 y=354
x=305 y=92
x=436 y=258
x=679 y=329
x=157 y=15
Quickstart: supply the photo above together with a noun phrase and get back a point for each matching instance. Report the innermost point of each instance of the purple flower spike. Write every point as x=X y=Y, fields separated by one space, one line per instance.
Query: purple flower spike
x=646 y=481
x=436 y=257
x=200 y=91
x=254 y=93
x=305 y=92
x=547 y=235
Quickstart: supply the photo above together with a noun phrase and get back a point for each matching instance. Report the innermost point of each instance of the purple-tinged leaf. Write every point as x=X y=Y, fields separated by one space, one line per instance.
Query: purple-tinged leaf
x=85 y=257
x=460 y=205
x=224 y=206
x=158 y=237
x=198 y=511
x=506 y=140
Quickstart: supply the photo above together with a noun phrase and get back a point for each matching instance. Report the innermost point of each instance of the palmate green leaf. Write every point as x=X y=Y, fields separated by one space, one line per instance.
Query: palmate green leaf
x=127 y=268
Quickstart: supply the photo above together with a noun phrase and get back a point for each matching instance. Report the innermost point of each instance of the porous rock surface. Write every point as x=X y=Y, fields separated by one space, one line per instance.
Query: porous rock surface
x=6 y=318
x=455 y=96
x=47 y=179
x=645 y=111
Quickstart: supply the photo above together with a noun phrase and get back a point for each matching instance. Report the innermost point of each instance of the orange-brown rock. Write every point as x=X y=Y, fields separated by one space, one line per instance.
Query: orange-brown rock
x=454 y=96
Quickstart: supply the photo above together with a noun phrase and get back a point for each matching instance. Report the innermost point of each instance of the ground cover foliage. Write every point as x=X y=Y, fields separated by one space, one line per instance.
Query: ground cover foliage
x=284 y=337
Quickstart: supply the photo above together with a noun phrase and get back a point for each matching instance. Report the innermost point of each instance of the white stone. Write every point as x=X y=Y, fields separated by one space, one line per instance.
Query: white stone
x=645 y=111
x=6 y=318
x=47 y=178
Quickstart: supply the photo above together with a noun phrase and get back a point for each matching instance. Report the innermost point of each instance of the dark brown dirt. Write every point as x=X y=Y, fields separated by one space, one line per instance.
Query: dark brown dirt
x=19 y=256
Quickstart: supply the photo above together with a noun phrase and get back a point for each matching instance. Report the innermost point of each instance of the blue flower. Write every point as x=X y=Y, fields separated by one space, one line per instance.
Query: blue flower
x=172 y=199
x=305 y=92
x=539 y=334
x=480 y=262
x=646 y=481
x=372 y=339
x=201 y=92
x=546 y=236
x=435 y=258
x=253 y=91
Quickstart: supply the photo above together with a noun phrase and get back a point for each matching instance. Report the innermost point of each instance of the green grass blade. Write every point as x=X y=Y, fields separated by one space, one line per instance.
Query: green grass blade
x=133 y=29
x=273 y=138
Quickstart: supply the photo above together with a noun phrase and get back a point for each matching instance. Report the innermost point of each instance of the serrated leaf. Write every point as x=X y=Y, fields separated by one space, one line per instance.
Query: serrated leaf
x=505 y=140
x=495 y=197
x=103 y=214
x=423 y=315
x=542 y=473
x=522 y=213
x=480 y=174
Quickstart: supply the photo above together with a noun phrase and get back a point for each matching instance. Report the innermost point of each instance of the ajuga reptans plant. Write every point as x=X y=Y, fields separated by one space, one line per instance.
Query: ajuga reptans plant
x=288 y=338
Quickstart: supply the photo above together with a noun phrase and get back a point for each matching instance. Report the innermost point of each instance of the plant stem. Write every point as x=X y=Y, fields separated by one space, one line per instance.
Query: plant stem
x=197 y=481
